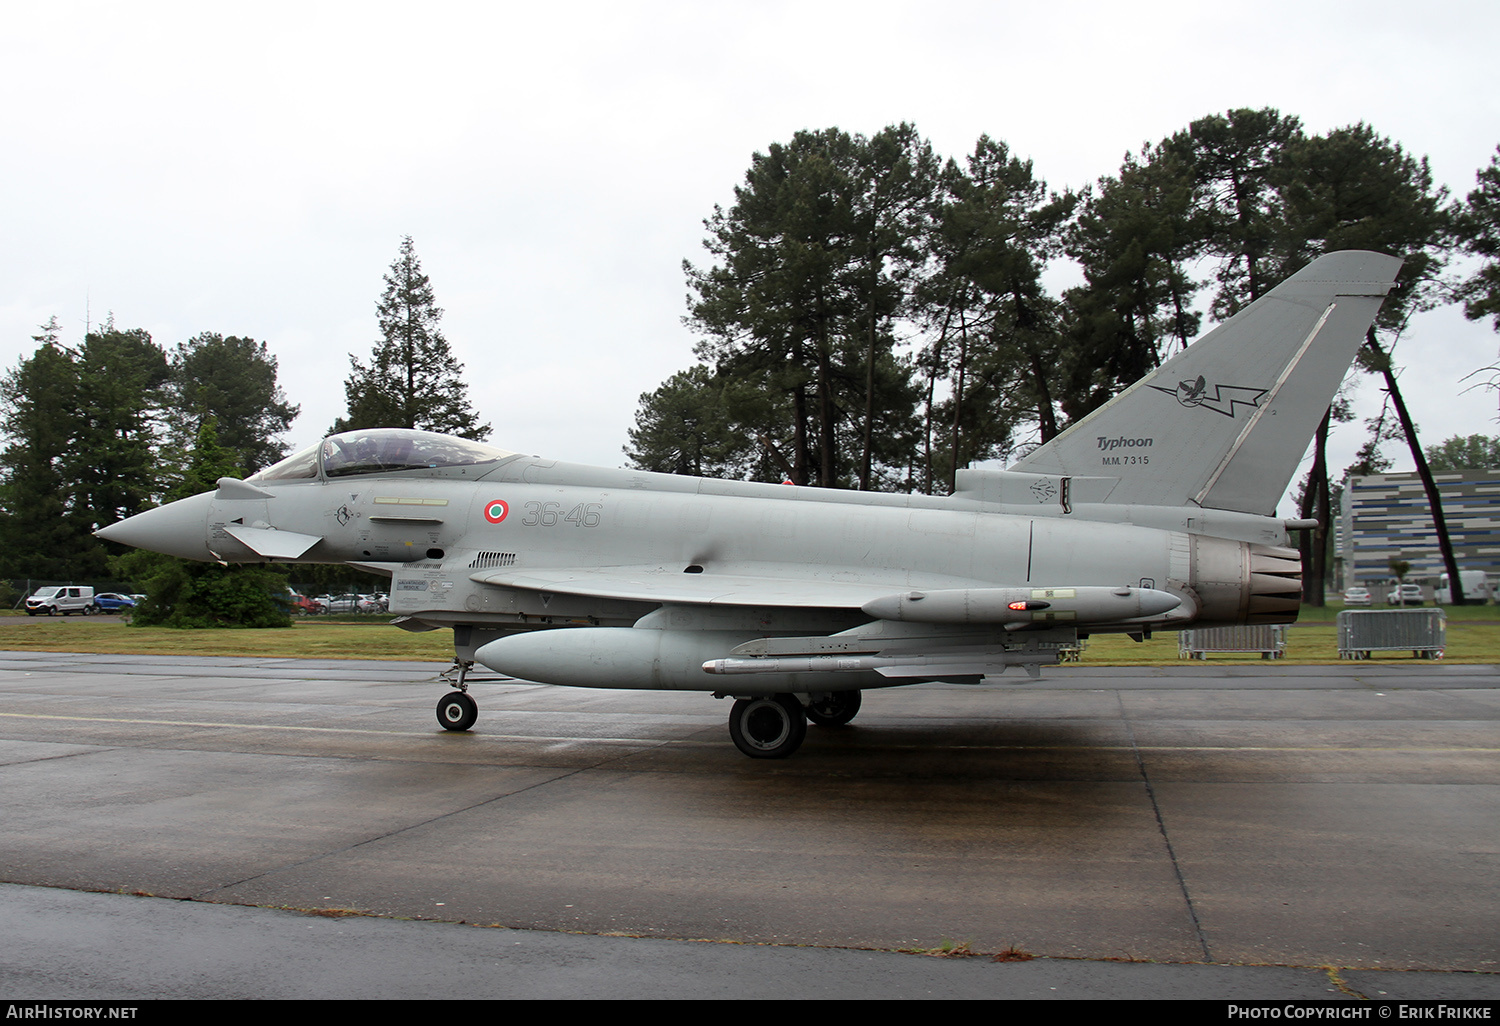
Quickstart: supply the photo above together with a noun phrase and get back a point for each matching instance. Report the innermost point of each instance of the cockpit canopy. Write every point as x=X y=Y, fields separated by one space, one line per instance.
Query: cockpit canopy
x=381 y=451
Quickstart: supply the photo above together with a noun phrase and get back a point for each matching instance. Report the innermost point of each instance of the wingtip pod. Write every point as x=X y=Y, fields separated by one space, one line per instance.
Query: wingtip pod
x=1224 y=423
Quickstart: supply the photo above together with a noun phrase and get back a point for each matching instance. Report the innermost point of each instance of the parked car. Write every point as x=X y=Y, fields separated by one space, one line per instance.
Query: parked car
x=373 y=604
x=1405 y=595
x=340 y=603
x=66 y=599
x=113 y=602
x=1358 y=596
x=302 y=604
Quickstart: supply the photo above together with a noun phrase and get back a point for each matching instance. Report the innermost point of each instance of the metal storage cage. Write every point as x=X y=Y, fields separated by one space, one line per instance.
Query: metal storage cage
x=1267 y=639
x=1423 y=632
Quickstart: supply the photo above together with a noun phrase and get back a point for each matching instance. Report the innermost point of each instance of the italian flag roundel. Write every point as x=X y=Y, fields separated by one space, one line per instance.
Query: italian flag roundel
x=495 y=510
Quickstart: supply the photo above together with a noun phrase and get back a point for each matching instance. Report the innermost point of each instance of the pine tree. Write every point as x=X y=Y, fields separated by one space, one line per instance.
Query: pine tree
x=412 y=380
x=809 y=275
x=686 y=427
x=1460 y=453
x=233 y=381
x=1479 y=228
x=1135 y=240
x=113 y=463
x=1237 y=161
x=997 y=339
x=43 y=534
x=82 y=447
x=772 y=307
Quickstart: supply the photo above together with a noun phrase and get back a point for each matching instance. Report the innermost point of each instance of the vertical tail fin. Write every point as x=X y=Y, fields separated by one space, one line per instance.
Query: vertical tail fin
x=1224 y=423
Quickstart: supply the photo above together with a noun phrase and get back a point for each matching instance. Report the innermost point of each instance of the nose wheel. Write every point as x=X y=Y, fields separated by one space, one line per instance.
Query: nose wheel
x=457 y=711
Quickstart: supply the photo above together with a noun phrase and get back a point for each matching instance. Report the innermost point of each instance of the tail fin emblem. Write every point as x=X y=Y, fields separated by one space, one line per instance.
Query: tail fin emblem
x=1224 y=400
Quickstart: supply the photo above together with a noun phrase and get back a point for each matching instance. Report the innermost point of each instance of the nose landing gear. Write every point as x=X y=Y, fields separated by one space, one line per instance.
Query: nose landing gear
x=457 y=711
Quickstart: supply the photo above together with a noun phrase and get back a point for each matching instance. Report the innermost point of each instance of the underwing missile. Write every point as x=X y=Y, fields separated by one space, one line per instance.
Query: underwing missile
x=1018 y=607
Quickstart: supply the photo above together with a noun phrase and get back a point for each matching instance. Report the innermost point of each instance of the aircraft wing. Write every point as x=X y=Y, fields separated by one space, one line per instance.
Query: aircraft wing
x=769 y=585
x=929 y=598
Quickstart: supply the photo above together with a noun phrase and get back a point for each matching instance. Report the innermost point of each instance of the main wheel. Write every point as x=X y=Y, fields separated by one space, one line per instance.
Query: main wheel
x=457 y=711
x=833 y=709
x=768 y=727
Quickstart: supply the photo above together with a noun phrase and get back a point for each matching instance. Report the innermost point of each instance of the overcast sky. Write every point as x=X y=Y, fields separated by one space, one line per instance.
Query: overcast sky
x=251 y=169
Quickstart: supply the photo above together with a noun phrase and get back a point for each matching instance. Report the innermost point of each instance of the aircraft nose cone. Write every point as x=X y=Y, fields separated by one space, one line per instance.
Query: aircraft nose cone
x=177 y=529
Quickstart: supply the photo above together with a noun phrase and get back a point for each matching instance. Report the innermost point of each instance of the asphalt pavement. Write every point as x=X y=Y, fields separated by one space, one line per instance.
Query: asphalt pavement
x=199 y=827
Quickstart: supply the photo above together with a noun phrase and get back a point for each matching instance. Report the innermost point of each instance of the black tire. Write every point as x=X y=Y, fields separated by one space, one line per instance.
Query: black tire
x=89 y=610
x=834 y=709
x=457 y=711
x=768 y=727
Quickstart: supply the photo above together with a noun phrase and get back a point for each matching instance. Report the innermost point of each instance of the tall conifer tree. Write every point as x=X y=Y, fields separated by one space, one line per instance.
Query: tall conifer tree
x=41 y=531
x=412 y=380
x=1479 y=226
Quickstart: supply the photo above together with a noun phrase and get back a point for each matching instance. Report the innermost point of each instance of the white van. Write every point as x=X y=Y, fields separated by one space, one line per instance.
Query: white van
x=70 y=598
x=1476 y=588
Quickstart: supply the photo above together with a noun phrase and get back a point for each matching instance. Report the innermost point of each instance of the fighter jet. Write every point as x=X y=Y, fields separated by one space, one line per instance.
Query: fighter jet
x=1156 y=511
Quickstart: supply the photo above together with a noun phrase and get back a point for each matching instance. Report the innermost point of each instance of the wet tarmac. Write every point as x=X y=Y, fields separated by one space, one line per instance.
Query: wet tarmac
x=1204 y=831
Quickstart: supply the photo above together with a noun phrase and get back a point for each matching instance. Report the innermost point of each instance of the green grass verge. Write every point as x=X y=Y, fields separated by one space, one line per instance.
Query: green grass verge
x=304 y=640
x=1308 y=644
x=1473 y=637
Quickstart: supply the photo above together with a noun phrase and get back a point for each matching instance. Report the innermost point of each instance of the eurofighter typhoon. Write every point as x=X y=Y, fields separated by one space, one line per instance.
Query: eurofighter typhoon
x=1156 y=511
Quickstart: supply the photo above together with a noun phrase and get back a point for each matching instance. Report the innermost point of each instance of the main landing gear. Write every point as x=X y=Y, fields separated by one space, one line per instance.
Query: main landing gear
x=833 y=708
x=763 y=726
x=774 y=726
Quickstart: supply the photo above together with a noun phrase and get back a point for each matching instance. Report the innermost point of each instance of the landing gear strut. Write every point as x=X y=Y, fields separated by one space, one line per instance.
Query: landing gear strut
x=768 y=726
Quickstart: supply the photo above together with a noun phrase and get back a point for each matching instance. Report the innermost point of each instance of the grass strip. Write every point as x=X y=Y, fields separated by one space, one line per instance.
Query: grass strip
x=1473 y=637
